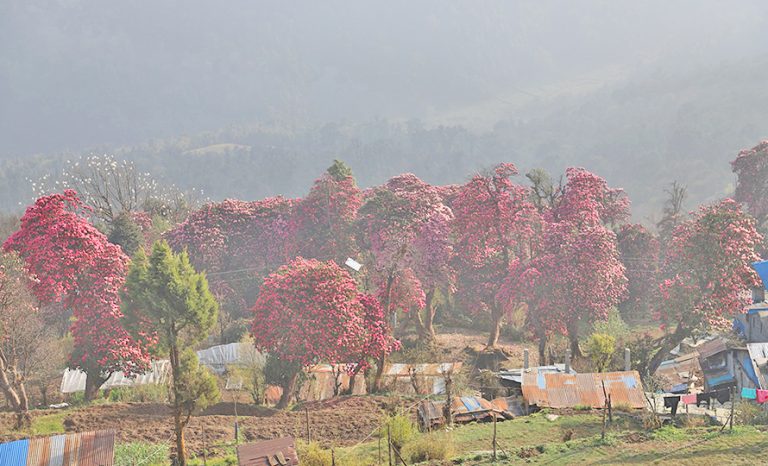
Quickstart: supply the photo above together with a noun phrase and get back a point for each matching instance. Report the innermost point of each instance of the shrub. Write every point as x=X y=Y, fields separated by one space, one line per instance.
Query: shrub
x=432 y=446
x=151 y=393
x=623 y=407
x=613 y=325
x=402 y=429
x=312 y=454
x=747 y=413
x=600 y=348
x=129 y=454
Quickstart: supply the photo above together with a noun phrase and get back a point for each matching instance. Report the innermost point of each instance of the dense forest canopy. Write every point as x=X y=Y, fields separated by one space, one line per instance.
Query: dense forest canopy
x=269 y=94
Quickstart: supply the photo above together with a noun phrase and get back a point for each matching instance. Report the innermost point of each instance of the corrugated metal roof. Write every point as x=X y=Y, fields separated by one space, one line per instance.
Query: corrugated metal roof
x=280 y=451
x=85 y=449
x=557 y=390
x=712 y=347
x=14 y=452
x=216 y=358
x=427 y=370
x=680 y=371
x=321 y=382
x=397 y=377
x=516 y=375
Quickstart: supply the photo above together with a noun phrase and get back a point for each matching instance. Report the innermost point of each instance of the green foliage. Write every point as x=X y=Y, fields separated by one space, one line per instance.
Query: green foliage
x=614 y=325
x=747 y=413
x=196 y=387
x=401 y=428
x=600 y=348
x=133 y=453
x=427 y=447
x=340 y=170
x=165 y=292
x=669 y=433
x=312 y=454
x=126 y=233
x=151 y=393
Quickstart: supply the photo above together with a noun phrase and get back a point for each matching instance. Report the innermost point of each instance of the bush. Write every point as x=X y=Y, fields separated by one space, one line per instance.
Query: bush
x=600 y=348
x=312 y=454
x=151 y=393
x=402 y=429
x=613 y=325
x=432 y=446
x=129 y=454
x=747 y=413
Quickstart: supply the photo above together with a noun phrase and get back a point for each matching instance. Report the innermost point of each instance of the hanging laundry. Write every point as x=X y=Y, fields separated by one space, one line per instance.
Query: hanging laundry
x=723 y=395
x=672 y=402
x=688 y=399
x=762 y=396
x=704 y=398
x=748 y=393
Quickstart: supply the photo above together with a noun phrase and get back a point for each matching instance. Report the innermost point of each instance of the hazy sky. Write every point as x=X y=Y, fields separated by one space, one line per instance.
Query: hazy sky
x=76 y=73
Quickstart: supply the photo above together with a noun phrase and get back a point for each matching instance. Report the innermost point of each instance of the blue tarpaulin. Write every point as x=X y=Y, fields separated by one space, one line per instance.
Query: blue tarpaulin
x=761 y=267
x=14 y=452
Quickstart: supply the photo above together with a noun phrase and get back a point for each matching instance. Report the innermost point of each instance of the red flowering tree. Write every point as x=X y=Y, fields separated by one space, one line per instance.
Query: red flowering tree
x=398 y=224
x=74 y=265
x=323 y=221
x=573 y=273
x=237 y=244
x=310 y=312
x=706 y=273
x=639 y=252
x=495 y=223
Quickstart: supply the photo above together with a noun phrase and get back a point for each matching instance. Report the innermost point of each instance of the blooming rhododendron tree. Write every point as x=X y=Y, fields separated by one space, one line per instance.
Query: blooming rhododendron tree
x=572 y=273
x=706 y=273
x=310 y=312
x=323 y=221
x=74 y=265
x=494 y=224
x=237 y=244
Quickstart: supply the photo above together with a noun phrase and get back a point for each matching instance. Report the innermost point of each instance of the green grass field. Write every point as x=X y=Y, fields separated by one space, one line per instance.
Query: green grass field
x=534 y=439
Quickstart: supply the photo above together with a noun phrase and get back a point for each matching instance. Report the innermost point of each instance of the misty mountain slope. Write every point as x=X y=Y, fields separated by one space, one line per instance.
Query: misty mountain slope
x=76 y=74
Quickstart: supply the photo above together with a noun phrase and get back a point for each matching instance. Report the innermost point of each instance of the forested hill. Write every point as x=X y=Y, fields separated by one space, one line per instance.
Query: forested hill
x=640 y=133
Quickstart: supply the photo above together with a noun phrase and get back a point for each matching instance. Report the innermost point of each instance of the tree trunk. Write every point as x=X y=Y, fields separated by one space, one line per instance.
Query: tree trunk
x=573 y=337
x=14 y=392
x=93 y=381
x=379 y=373
x=542 y=349
x=429 y=318
x=178 y=424
x=288 y=389
x=496 y=319
x=670 y=341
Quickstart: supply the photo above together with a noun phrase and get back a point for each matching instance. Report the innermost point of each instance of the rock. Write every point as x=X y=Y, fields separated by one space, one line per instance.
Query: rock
x=552 y=417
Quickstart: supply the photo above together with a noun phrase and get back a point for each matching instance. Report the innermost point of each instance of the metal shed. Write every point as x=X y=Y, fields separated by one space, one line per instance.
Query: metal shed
x=557 y=390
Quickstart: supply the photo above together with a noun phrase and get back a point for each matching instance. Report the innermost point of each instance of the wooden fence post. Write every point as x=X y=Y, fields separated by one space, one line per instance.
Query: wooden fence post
x=494 y=436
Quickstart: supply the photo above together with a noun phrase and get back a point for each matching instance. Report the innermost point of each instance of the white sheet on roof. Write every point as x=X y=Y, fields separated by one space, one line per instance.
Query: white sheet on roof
x=216 y=358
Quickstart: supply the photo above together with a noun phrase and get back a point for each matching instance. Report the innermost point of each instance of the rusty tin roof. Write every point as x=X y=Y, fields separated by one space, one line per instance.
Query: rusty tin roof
x=85 y=449
x=557 y=390
x=279 y=451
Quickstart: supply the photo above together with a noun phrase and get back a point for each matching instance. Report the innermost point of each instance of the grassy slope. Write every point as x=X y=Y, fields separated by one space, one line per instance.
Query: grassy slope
x=670 y=445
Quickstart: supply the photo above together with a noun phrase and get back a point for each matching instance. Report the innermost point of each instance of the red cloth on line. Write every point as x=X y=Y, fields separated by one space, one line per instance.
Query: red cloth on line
x=762 y=396
x=688 y=399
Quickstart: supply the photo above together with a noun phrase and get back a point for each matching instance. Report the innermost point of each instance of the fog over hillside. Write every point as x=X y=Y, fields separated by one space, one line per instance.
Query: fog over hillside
x=642 y=93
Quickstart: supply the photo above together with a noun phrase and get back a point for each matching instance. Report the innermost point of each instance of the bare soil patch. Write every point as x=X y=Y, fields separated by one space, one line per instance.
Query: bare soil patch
x=340 y=421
